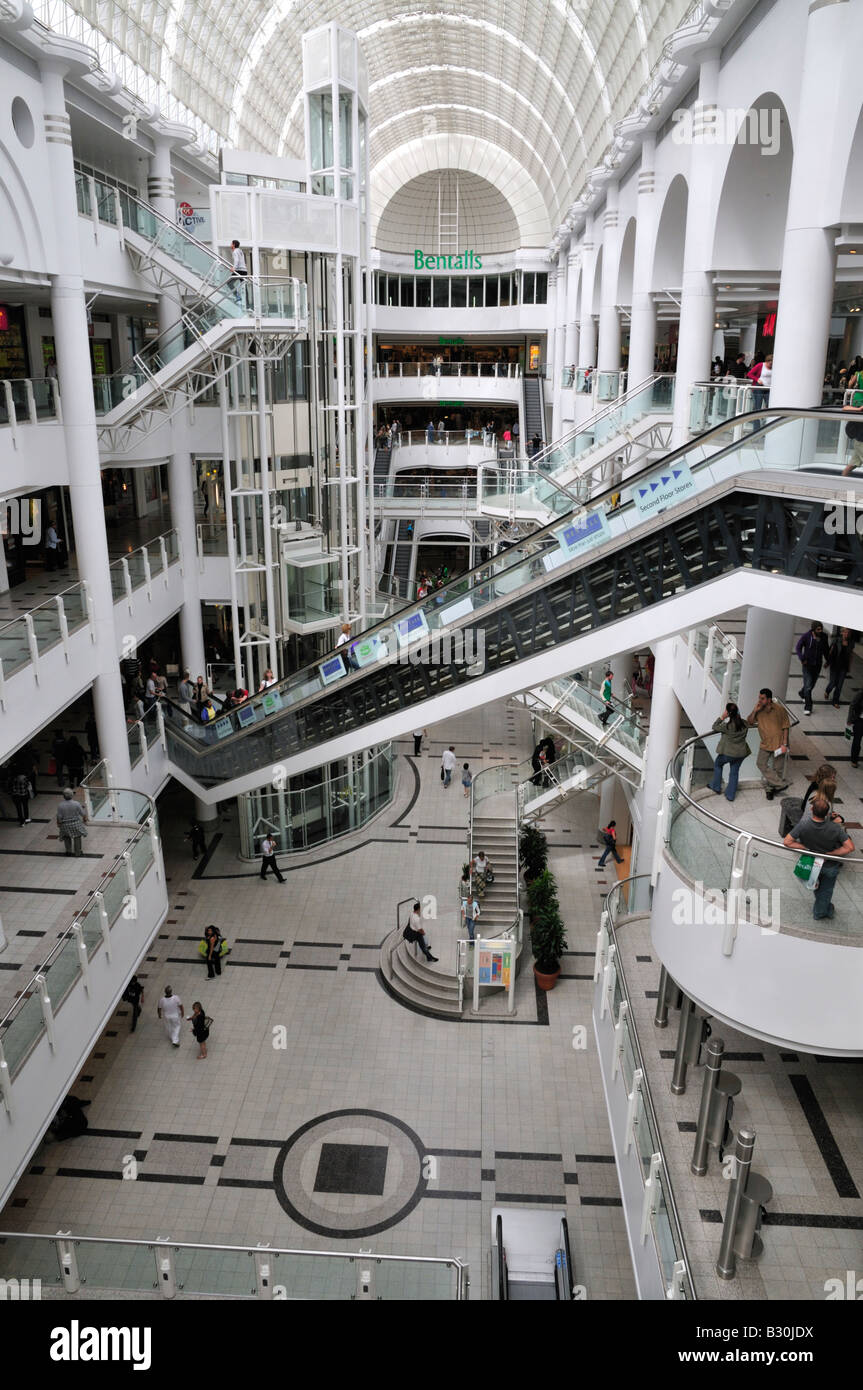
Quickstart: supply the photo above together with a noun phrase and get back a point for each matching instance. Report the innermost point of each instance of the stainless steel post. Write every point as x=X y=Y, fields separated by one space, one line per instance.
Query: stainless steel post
x=726 y=1264
x=713 y=1067
x=660 y=1018
x=687 y=1019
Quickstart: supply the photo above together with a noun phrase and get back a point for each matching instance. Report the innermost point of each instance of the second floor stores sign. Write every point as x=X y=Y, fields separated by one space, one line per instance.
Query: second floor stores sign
x=464 y=260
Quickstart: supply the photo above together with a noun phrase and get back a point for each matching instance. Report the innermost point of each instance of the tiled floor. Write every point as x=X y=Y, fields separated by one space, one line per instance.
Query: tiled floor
x=229 y=1150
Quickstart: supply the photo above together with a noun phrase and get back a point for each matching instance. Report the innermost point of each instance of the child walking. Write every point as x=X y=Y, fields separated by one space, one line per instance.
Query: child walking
x=466 y=778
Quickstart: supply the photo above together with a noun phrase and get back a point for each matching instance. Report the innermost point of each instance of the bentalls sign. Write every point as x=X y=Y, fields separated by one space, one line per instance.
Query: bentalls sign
x=465 y=260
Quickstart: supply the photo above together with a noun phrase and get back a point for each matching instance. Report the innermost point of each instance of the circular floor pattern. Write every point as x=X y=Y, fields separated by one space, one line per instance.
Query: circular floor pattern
x=350 y=1173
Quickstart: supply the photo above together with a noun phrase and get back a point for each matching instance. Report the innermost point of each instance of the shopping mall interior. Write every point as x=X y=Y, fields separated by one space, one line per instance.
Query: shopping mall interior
x=431 y=484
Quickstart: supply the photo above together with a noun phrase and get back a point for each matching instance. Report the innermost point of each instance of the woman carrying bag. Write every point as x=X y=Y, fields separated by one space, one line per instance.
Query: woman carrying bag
x=212 y=949
x=201 y=1026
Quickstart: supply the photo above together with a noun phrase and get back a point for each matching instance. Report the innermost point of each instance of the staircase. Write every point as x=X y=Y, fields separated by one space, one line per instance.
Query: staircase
x=414 y=983
x=403 y=560
x=497 y=838
x=533 y=412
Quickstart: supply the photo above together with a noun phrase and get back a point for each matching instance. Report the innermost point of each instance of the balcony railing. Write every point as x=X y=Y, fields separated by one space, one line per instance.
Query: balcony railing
x=613 y=1010
x=143 y=565
x=40 y=1000
x=732 y=859
x=110 y=1264
x=29 y=401
x=490 y=371
x=713 y=402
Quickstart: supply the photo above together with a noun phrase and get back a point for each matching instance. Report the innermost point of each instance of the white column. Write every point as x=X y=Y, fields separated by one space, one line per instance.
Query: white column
x=160 y=192
x=79 y=426
x=586 y=327
x=808 y=253
x=642 y=329
x=556 y=291
x=181 y=492
x=662 y=744
x=570 y=348
x=698 y=296
x=608 y=350
x=767 y=647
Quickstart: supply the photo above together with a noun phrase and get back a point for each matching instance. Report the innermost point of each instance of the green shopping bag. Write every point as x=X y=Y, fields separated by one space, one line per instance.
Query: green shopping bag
x=808 y=869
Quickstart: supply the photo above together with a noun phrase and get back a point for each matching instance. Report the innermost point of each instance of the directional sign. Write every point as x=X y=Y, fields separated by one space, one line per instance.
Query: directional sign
x=654 y=493
x=583 y=532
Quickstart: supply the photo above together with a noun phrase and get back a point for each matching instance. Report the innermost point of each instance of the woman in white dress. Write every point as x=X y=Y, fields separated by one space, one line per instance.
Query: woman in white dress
x=170 y=1011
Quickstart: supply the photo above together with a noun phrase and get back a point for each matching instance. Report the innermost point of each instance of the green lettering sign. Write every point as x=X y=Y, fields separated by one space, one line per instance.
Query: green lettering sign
x=464 y=260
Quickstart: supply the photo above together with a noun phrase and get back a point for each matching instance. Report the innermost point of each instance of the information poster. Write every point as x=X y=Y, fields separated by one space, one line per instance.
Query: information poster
x=583 y=532
x=332 y=670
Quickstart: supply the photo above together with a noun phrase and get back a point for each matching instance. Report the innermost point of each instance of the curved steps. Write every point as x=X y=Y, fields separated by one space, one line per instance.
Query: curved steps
x=414 y=982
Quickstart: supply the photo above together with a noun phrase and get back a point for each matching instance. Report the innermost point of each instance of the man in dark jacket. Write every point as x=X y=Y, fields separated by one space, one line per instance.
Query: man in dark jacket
x=812 y=649
x=855 y=723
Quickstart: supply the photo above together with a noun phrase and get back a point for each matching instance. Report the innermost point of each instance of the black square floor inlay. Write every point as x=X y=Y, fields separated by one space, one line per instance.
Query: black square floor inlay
x=359 y=1169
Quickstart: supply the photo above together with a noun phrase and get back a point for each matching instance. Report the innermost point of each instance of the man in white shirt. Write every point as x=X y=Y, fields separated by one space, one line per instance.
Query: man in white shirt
x=170 y=1011
x=268 y=859
x=238 y=263
x=416 y=926
x=447 y=763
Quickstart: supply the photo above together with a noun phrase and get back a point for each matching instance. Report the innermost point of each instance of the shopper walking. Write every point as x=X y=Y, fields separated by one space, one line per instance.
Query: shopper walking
x=839 y=664
x=22 y=791
x=772 y=723
x=134 y=994
x=470 y=914
x=447 y=763
x=466 y=778
x=609 y=839
x=268 y=859
x=170 y=1011
x=201 y=1029
x=855 y=724
x=240 y=271
x=730 y=751
x=819 y=835
x=71 y=822
x=812 y=650
x=419 y=735
x=195 y=833
x=606 y=695
x=186 y=692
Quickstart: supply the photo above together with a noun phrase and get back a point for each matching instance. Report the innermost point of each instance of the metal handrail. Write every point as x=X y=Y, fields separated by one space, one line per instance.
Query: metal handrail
x=449 y=1262
x=611 y=898
x=46 y=603
x=727 y=827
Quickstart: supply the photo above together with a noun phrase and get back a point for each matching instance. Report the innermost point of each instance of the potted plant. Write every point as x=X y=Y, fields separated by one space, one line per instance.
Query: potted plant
x=533 y=852
x=548 y=942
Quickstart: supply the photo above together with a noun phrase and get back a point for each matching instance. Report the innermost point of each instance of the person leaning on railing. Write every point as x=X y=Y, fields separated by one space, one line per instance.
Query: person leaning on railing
x=823 y=833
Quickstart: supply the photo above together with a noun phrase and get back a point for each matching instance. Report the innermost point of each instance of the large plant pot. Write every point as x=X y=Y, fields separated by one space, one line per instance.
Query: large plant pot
x=546 y=981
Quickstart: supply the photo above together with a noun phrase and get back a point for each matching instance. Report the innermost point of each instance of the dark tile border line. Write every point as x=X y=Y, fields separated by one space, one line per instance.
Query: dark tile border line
x=324 y=945
x=455 y=1153
x=181 y=1179
x=532 y=1198
x=266 y=1185
x=824 y=1137
x=297 y=965
x=601 y=1201
x=594 y=1158
x=170 y=1138
x=452 y=1196
x=110 y=1174
x=47 y=892
x=416 y=791
x=114 y=1133
x=257 y=941
x=258 y=1143
x=816 y=1220
x=539 y=1158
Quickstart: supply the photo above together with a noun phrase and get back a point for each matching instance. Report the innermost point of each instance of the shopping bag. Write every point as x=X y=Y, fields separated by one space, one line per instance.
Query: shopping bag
x=808 y=869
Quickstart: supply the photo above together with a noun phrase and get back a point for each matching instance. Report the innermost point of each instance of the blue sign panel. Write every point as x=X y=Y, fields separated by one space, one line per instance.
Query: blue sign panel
x=654 y=493
x=332 y=670
x=583 y=532
x=408 y=629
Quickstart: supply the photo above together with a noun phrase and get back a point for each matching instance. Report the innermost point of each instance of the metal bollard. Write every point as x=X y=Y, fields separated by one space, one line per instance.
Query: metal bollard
x=714 y=1115
x=660 y=1018
x=746 y=1201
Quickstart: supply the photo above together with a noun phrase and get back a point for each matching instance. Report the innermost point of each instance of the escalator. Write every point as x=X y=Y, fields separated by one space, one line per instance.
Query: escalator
x=534 y=424
x=723 y=504
x=531 y=1257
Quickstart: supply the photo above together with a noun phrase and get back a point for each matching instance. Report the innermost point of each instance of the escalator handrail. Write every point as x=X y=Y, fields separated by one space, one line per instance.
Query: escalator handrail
x=502 y=1275
x=482 y=574
x=570 y=1273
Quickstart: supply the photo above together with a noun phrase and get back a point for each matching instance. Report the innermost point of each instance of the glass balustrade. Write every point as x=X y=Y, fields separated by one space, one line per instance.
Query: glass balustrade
x=210 y=1271
x=45 y=626
x=23 y=1024
x=524 y=492
x=590 y=705
x=702 y=841
x=632 y=895
x=534 y=785
x=787 y=441
x=138 y=561
x=713 y=402
x=654 y=397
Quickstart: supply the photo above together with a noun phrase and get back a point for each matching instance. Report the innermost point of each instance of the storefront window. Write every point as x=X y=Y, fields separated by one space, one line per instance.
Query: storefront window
x=423 y=293
x=458 y=293
x=440 y=292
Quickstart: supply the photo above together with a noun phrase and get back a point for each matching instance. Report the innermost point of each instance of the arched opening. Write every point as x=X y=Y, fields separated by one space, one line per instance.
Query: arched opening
x=626 y=264
x=753 y=205
x=670 y=237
